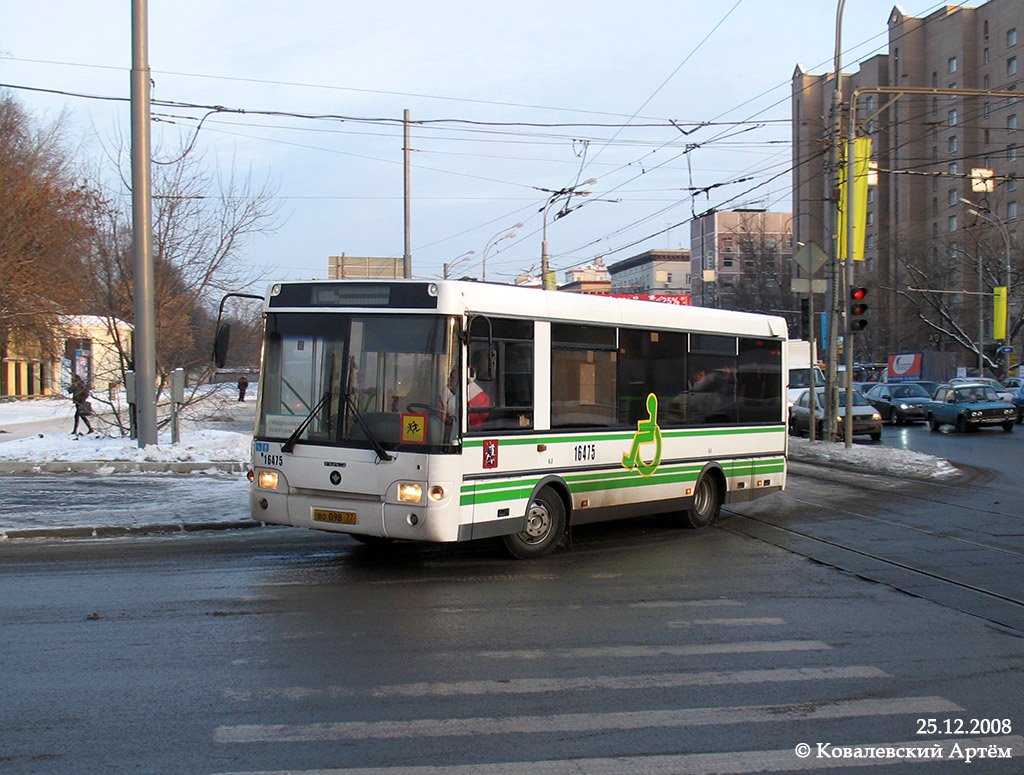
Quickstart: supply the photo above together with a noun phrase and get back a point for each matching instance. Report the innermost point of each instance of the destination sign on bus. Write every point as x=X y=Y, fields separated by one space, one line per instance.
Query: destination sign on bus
x=355 y=294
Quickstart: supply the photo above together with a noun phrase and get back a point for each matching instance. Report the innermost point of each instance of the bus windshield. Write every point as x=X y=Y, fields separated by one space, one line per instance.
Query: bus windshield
x=373 y=380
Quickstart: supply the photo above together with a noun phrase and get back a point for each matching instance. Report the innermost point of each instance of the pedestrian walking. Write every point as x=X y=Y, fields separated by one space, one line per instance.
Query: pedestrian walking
x=80 y=395
x=243 y=385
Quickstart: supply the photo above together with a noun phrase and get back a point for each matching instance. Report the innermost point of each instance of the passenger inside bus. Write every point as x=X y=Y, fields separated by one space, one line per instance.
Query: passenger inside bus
x=476 y=400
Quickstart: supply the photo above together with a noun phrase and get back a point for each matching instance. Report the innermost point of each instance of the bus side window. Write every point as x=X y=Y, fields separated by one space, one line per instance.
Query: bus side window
x=505 y=402
x=711 y=368
x=583 y=376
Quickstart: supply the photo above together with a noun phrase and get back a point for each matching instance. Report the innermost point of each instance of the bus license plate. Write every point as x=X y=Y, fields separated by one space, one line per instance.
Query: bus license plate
x=334 y=517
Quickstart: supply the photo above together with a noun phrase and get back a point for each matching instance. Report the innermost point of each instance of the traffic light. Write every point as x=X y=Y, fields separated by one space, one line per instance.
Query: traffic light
x=857 y=309
x=805 y=317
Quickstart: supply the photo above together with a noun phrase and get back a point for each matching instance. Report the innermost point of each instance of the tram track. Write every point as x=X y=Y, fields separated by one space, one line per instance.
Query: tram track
x=913 y=528
x=879 y=558
x=863 y=485
x=959 y=571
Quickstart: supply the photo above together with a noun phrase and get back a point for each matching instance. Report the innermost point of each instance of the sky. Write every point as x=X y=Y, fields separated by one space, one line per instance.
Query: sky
x=673 y=108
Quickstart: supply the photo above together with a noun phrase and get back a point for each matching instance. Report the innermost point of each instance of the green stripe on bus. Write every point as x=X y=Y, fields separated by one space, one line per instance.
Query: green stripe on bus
x=490 y=492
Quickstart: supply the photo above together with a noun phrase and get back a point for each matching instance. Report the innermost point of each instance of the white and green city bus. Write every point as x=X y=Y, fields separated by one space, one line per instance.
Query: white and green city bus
x=453 y=411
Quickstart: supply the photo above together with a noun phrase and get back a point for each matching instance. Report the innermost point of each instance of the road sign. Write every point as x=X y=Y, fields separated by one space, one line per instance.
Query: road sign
x=1006 y=349
x=811 y=257
x=803 y=285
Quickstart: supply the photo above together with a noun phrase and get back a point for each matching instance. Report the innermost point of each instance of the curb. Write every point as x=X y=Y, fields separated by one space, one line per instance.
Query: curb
x=115 y=531
x=120 y=467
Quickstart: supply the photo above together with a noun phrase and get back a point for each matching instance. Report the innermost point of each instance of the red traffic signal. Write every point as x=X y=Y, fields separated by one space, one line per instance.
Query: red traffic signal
x=857 y=309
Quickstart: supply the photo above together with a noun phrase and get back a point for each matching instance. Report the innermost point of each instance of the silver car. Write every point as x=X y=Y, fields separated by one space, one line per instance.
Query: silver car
x=866 y=419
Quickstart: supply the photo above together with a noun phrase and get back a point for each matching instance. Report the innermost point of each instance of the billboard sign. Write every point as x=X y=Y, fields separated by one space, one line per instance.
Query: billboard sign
x=906 y=367
x=682 y=299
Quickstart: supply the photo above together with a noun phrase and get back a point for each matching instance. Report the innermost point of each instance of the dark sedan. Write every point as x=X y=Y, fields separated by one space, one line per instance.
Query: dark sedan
x=899 y=402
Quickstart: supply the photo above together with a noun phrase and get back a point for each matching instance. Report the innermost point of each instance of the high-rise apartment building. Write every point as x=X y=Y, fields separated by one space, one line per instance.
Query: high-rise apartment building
x=741 y=260
x=923 y=243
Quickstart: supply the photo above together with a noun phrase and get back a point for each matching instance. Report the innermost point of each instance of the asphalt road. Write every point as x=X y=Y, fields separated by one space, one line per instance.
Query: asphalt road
x=643 y=649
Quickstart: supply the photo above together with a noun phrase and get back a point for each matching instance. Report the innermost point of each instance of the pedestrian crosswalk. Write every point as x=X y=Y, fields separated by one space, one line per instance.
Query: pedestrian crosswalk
x=593 y=709
x=579 y=722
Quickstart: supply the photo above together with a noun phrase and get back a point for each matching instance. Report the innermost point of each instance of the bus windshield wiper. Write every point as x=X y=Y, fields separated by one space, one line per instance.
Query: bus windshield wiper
x=289 y=445
x=374 y=441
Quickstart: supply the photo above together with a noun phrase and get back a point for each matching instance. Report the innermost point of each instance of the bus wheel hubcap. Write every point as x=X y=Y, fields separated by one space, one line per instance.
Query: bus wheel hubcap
x=702 y=498
x=538 y=521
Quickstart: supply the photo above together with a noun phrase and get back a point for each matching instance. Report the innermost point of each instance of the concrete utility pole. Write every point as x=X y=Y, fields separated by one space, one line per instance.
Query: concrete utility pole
x=834 y=277
x=142 y=231
x=407 y=262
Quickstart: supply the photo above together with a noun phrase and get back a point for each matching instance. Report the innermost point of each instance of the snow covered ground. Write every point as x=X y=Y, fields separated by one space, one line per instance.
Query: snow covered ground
x=37 y=432
x=873 y=458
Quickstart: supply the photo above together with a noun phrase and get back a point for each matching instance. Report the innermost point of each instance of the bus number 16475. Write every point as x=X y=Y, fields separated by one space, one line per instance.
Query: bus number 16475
x=583 y=452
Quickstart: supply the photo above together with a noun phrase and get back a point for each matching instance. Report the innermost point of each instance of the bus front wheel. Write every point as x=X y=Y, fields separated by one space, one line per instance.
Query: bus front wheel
x=545 y=525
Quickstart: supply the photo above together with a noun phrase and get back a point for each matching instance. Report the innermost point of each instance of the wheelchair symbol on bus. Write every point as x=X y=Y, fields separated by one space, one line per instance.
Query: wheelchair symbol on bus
x=647 y=433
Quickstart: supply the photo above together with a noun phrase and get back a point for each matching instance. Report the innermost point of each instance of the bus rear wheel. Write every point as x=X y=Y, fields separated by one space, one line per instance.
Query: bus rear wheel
x=707 y=502
x=545 y=525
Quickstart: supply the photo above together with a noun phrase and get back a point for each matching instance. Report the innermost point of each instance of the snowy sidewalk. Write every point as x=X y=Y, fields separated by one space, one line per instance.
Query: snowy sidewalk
x=35 y=437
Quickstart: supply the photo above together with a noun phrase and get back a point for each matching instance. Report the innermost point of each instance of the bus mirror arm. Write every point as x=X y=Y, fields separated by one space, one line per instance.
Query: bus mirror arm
x=223 y=335
x=490 y=365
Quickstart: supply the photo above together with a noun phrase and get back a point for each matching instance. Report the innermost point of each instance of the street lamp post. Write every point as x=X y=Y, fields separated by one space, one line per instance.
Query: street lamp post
x=986 y=215
x=450 y=266
x=568 y=193
x=493 y=241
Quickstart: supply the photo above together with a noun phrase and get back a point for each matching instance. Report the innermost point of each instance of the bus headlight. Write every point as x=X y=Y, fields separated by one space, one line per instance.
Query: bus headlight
x=410 y=492
x=267 y=480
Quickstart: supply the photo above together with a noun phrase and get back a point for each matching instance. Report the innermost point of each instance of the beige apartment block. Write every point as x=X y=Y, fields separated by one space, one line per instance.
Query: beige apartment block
x=922 y=244
x=741 y=260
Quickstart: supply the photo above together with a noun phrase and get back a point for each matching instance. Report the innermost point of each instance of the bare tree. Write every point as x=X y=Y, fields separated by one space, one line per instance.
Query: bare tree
x=45 y=227
x=202 y=223
x=764 y=284
x=940 y=294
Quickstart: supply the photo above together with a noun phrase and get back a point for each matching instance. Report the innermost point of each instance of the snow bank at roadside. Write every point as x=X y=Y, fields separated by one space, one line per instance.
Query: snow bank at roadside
x=874 y=458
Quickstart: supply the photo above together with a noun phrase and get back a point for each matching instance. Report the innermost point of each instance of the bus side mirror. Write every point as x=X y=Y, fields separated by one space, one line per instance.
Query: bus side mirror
x=220 y=345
